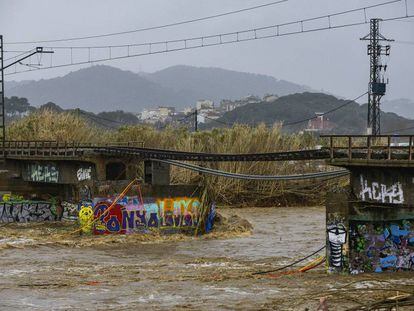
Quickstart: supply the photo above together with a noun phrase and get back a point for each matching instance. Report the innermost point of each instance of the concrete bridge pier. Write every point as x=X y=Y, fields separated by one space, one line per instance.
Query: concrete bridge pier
x=157 y=173
x=370 y=223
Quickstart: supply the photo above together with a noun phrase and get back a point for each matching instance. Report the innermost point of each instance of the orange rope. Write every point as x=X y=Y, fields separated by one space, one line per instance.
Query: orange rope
x=313 y=264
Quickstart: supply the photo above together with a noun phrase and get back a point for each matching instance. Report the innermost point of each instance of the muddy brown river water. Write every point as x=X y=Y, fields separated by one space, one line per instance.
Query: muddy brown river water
x=186 y=273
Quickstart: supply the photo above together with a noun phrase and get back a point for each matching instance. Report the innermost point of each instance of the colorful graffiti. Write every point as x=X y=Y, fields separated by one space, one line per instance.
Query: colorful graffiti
x=27 y=211
x=130 y=215
x=380 y=192
x=378 y=247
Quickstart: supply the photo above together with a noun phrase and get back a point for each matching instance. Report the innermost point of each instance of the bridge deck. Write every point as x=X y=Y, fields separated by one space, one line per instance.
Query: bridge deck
x=42 y=150
x=342 y=150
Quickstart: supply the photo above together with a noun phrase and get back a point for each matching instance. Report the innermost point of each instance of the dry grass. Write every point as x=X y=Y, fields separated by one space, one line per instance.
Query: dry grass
x=48 y=125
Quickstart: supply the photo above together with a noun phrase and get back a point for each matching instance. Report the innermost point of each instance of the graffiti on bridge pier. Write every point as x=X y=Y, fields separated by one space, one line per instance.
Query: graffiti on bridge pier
x=42 y=173
x=129 y=215
x=84 y=173
x=378 y=247
x=380 y=192
x=27 y=211
x=337 y=236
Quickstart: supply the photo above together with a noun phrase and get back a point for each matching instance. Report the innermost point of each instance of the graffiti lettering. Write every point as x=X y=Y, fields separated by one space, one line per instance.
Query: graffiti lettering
x=26 y=211
x=84 y=173
x=130 y=215
x=381 y=193
x=43 y=173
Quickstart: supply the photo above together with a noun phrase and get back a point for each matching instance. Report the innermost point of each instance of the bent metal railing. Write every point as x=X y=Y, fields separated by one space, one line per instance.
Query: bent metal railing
x=368 y=147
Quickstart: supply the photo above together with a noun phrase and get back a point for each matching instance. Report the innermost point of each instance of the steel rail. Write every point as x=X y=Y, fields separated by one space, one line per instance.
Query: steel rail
x=337 y=173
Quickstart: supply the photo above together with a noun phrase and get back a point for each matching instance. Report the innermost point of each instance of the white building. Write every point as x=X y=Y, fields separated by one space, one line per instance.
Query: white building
x=204 y=104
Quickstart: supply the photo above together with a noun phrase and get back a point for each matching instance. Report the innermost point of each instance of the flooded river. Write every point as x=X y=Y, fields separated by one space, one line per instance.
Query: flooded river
x=186 y=273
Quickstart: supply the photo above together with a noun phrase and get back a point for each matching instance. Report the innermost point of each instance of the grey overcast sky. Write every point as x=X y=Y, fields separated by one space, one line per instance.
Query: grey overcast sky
x=333 y=60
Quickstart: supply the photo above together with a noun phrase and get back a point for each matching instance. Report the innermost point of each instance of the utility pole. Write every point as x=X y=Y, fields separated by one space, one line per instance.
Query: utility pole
x=37 y=50
x=377 y=83
x=2 y=118
x=195 y=120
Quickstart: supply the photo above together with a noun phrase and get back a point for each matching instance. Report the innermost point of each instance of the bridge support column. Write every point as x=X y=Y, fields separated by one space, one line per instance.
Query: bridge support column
x=100 y=166
x=156 y=173
x=370 y=224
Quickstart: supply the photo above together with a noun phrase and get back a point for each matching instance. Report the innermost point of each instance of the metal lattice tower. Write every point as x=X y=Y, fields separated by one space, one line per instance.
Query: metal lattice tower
x=2 y=116
x=377 y=84
x=37 y=50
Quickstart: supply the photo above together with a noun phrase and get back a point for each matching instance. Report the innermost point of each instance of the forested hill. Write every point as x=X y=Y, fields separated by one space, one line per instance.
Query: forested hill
x=102 y=88
x=291 y=108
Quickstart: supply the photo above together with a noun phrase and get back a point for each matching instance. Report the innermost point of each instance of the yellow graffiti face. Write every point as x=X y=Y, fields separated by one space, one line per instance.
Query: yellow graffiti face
x=6 y=197
x=86 y=218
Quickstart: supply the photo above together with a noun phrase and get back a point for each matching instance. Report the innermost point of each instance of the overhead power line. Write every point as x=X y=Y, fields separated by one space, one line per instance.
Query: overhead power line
x=101 y=118
x=404 y=42
x=302 y=120
x=299 y=22
x=399 y=130
x=155 y=27
x=327 y=112
x=150 y=48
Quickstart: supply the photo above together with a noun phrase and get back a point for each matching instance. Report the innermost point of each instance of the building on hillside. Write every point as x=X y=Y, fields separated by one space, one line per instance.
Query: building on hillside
x=251 y=99
x=229 y=105
x=160 y=114
x=187 y=110
x=165 y=112
x=269 y=98
x=204 y=104
x=207 y=116
x=319 y=123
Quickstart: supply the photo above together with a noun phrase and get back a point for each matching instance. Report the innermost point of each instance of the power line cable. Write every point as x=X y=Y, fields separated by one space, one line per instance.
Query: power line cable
x=219 y=121
x=302 y=120
x=102 y=118
x=180 y=120
x=17 y=56
x=155 y=27
x=214 y=40
x=399 y=130
x=327 y=112
x=404 y=42
x=291 y=264
x=96 y=120
x=300 y=22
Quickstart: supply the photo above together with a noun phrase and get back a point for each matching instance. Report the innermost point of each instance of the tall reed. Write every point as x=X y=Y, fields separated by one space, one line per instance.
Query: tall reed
x=48 y=125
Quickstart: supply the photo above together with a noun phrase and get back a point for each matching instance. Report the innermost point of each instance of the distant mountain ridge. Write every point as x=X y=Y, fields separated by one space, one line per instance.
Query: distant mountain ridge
x=402 y=106
x=102 y=88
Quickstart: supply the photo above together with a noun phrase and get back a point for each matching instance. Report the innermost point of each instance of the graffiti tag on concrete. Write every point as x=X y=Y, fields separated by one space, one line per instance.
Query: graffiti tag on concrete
x=26 y=211
x=84 y=173
x=43 y=173
x=380 y=192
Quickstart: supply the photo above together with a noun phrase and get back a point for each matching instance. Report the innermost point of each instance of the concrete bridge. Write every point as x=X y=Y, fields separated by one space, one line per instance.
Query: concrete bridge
x=62 y=168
